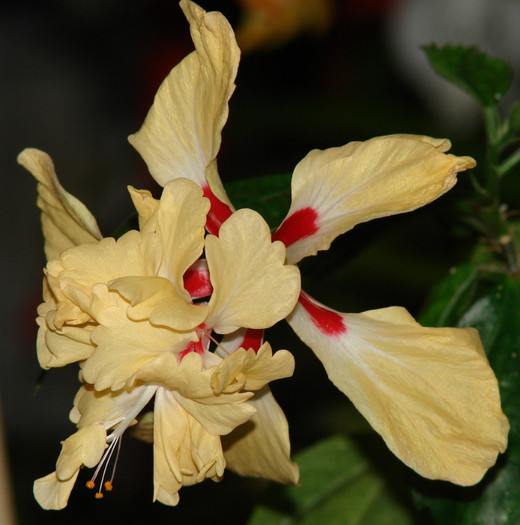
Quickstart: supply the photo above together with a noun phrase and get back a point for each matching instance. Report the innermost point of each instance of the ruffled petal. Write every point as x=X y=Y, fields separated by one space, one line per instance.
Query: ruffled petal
x=184 y=453
x=82 y=267
x=146 y=206
x=108 y=408
x=155 y=299
x=252 y=288
x=252 y=370
x=429 y=392
x=180 y=227
x=261 y=447
x=181 y=134
x=335 y=189
x=51 y=493
x=85 y=447
x=219 y=416
x=123 y=346
x=66 y=221
x=68 y=345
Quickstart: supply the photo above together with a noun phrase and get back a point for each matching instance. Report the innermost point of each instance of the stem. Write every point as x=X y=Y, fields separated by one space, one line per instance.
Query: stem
x=492 y=183
x=493 y=216
x=508 y=164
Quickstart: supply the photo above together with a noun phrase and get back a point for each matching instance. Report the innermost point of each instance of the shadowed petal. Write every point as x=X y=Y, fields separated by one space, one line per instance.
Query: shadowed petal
x=66 y=221
x=261 y=447
x=184 y=452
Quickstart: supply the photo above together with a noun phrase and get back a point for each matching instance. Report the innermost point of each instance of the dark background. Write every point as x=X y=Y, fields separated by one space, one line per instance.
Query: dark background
x=76 y=77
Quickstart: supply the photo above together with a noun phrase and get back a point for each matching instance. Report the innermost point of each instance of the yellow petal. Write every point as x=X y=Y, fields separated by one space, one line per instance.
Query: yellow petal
x=268 y=367
x=184 y=453
x=66 y=221
x=123 y=346
x=70 y=344
x=180 y=227
x=182 y=131
x=108 y=408
x=155 y=299
x=146 y=207
x=261 y=447
x=222 y=417
x=335 y=189
x=255 y=369
x=429 y=392
x=191 y=389
x=85 y=447
x=51 y=493
x=186 y=377
x=84 y=266
x=251 y=286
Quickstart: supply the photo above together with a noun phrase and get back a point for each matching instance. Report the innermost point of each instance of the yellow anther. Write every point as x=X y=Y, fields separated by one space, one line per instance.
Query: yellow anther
x=90 y=484
x=108 y=486
x=99 y=495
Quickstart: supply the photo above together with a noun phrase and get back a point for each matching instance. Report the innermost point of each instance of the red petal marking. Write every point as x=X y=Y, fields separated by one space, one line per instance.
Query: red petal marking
x=194 y=346
x=253 y=338
x=218 y=213
x=299 y=225
x=197 y=283
x=329 y=322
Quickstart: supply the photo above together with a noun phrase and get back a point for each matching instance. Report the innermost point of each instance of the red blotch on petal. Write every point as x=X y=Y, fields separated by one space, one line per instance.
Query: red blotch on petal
x=299 y=225
x=194 y=346
x=218 y=213
x=327 y=321
x=197 y=283
x=253 y=338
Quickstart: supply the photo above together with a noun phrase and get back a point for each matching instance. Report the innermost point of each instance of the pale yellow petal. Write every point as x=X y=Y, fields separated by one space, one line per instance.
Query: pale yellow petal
x=84 y=447
x=186 y=377
x=250 y=370
x=84 y=266
x=184 y=453
x=223 y=415
x=252 y=288
x=261 y=447
x=155 y=299
x=51 y=493
x=108 y=408
x=335 y=189
x=182 y=131
x=146 y=207
x=180 y=227
x=66 y=221
x=429 y=392
x=268 y=367
x=70 y=344
x=123 y=345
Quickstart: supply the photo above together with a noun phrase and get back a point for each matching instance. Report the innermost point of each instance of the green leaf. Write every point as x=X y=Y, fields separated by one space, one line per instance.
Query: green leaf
x=484 y=77
x=496 y=500
x=270 y=196
x=338 y=486
x=451 y=297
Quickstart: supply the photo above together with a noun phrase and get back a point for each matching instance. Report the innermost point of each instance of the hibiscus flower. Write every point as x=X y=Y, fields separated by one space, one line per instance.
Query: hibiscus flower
x=429 y=392
x=140 y=315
